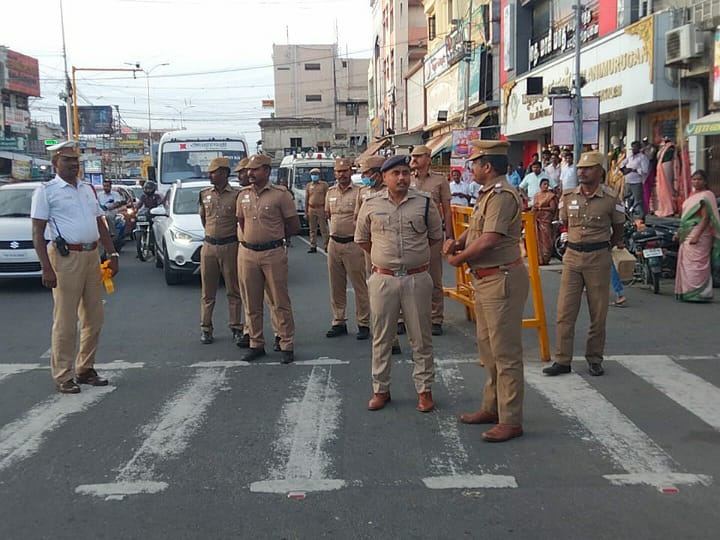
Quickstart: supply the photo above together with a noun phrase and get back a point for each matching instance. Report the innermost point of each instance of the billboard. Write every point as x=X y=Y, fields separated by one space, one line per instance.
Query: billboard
x=92 y=120
x=23 y=75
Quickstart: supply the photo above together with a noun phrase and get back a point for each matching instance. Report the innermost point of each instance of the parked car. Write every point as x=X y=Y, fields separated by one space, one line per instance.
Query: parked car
x=17 y=254
x=178 y=231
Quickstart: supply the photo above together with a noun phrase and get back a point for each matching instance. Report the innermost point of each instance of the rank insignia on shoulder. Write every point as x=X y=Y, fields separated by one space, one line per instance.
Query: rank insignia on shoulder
x=498 y=187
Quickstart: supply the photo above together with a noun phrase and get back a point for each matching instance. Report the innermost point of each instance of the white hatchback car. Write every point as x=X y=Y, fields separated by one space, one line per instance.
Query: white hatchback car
x=17 y=254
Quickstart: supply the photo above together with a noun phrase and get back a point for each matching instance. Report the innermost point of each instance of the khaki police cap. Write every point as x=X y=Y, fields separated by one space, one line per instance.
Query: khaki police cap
x=590 y=159
x=372 y=162
x=217 y=163
x=257 y=161
x=343 y=163
x=488 y=148
x=420 y=150
x=315 y=171
x=241 y=165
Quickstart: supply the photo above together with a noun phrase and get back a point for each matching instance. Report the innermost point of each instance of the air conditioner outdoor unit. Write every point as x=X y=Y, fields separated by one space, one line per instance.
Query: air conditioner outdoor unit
x=682 y=44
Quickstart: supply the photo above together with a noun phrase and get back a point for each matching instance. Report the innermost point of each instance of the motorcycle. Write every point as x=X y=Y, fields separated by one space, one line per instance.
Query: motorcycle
x=644 y=243
x=115 y=222
x=561 y=238
x=143 y=234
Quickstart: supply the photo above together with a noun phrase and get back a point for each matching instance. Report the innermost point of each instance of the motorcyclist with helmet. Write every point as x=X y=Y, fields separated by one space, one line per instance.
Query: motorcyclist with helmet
x=150 y=197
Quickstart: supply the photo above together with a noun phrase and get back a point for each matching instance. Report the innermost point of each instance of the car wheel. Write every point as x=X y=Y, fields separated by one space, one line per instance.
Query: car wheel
x=171 y=277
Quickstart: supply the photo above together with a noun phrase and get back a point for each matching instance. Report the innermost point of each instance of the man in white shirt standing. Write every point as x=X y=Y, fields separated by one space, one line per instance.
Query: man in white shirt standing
x=68 y=210
x=635 y=167
x=459 y=190
x=568 y=175
x=553 y=169
x=531 y=183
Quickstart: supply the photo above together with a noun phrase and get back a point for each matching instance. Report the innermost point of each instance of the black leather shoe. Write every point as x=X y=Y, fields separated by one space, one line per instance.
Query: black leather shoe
x=437 y=330
x=288 y=357
x=68 y=387
x=276 y=344
x=253 y=354
x=363 y=332
x=90 y=377
x=244 y=341
x=556 y=369
x=596 y=369
x=401 y=328
x=396 y=349
x=206 y=338
x=337 y=330
x=312 y=250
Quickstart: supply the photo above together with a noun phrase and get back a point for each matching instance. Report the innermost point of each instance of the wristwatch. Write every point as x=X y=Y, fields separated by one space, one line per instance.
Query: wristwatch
x=115 y=254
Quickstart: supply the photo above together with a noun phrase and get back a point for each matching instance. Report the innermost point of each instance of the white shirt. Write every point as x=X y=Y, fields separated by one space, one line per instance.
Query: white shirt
x=459 y=187
x=568 y=177
x=553 y=172
x=70 y=211
x=640 y=163
x=108 y=198
x=473 y=190
x=531 y=183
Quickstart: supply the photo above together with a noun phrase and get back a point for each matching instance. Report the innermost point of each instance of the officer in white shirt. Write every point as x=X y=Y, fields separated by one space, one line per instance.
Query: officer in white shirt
x=67 y=224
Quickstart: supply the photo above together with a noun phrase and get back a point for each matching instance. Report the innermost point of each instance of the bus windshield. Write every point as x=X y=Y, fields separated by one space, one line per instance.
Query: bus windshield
x=183 y=161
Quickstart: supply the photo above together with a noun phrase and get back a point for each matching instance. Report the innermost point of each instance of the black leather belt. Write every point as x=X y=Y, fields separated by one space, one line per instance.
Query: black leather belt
x=596 y=246
x=343 y=239
x=263 y=247
x=221 y=241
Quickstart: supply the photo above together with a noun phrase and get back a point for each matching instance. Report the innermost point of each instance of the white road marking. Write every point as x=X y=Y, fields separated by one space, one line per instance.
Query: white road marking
x=23 y=437
x=687 y=390
x=321 y=361
x=47 y=353
x=306 y=427
x=451 y=467
x=115 y=365
x=11 y=369
x=629 y=448
x=166 y=437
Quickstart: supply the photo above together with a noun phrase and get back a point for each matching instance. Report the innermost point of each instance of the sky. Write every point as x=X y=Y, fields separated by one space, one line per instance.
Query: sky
x=219 y=53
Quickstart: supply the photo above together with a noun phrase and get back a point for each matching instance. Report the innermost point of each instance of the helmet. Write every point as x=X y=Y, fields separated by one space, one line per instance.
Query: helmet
x=149 y=187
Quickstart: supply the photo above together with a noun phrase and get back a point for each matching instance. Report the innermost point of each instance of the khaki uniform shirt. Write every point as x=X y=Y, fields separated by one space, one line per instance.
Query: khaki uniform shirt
x=399 y=233
x=340 y=205
x=437 y=186
x=217 y=208
x=590 y=219
x=264 y=212
x=498 y=210
x=363 y=193
x=315 y=194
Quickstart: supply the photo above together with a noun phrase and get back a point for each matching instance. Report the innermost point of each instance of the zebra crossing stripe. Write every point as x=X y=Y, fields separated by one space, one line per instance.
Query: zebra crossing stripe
x=306 y=427
x=166 y=437
x=686 y=389
x=630 y=449
x=321 y=361
x=11 y=369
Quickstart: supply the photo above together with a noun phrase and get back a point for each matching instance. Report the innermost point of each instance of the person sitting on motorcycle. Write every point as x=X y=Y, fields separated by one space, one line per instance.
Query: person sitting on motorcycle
x=150 y=197
x=110 y=201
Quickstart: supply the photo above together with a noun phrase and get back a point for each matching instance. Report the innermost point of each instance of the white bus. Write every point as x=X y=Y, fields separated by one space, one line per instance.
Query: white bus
x=185 y=155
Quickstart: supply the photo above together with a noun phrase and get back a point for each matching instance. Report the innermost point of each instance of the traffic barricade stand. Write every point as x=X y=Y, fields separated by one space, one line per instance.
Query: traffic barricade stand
x=463 y=291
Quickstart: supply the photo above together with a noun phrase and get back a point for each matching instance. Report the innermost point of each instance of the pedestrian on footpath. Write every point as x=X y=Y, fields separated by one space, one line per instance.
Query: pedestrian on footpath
x=315 y=193
x=67 y=223
x=345 y=257
x=266 y=214
x=439 y=189
x=397 y=227
x=218 y=256
x=595 y=218
x=617 y=285
x=491 y=247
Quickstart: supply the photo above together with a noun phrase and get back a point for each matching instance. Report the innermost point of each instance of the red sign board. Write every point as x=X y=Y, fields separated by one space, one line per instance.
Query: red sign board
x=23 y=74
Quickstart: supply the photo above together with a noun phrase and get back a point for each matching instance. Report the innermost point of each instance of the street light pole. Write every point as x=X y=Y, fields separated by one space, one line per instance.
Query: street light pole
x=180 y=113
x=147 y=81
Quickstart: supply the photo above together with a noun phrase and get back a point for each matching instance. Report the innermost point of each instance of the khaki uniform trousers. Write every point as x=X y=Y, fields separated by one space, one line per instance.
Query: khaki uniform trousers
x=244 y=301
x=589 y=271
x=261 y=270
x=499 y=305
x=316 y=216
x=388 y=294
x=214 y=262
x=79 y=293
x=346 y=260
x=436 y=262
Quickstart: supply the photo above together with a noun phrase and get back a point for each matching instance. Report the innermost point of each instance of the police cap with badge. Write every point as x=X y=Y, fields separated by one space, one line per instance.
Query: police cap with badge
x=67 y=149
x=218 y=163
x=488 y=147
x=591 y=159
x=395 y=161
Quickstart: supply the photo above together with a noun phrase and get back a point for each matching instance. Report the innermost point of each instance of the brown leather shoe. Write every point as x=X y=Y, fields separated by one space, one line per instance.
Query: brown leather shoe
x=68 y=387
x=90 y=377
x=481 y=416
x=378 y=401
x=425 y=402
x=502 y=433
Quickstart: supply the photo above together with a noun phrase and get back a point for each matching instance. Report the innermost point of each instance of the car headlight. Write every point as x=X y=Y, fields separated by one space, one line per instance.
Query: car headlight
x=130 y=211
x=181 y=237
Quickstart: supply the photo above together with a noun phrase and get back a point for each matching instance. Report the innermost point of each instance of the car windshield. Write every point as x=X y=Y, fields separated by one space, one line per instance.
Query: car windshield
x=15 y=202
x=302 y=175
x=186 y=200
x=186 y=164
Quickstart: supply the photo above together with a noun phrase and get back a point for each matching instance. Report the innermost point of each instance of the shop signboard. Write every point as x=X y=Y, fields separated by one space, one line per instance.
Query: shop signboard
x=23 y=74
x=12 y=143
x=462 y=141
x=18 y=120
x=716 y=68
x=21 y=170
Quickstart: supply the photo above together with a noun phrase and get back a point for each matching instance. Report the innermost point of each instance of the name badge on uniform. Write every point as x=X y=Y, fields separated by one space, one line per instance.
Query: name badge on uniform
x=246 y=198
x=208 y=198
x=333 y=199
x=573 y=205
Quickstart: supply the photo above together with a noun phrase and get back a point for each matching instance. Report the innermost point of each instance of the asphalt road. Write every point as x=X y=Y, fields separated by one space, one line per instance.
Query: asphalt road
x=187 y=442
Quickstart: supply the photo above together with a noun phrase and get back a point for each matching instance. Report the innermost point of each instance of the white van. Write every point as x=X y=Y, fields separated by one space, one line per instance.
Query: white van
x=294 y=171
x=185 y=155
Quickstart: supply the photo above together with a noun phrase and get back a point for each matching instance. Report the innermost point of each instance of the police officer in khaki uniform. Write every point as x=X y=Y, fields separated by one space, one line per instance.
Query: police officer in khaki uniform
x=218 y=255
x=439 y=188
x=266 y=214
x=595 y=219
x=315 y=192
x=490 y=246
x=242 y=172
x=243 y=180
x=345 y=258
x=397 y=226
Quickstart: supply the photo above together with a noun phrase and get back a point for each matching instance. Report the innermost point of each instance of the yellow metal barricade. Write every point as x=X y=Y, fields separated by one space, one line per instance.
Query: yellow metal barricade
x=463 y=291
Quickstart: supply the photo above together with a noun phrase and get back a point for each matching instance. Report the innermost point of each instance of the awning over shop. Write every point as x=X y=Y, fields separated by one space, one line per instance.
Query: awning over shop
x=439 y=143
x=707 y=125
x=373 y=148
x=14 y=156
x=477 y=120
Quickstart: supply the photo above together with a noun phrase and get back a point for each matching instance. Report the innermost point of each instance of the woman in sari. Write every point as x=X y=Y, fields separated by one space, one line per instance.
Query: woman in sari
x=699 y=237
x=545 y=209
